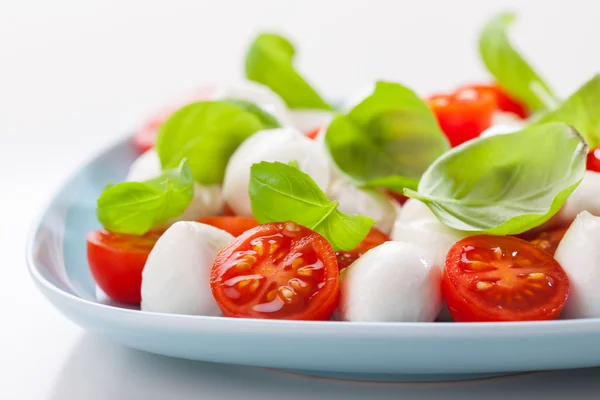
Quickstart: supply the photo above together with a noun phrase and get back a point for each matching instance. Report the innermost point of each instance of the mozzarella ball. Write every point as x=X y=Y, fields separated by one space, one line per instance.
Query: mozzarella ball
x=586 y=197
x=579 y=255
x=371 y=203
x=283 y=145
x=145 y=167
x=207 y=199
x=417 y=224
x=306 y=120
x=393 y=282
x=257 y=93
x=176 y=277
x=502 y=129
x=507 y=118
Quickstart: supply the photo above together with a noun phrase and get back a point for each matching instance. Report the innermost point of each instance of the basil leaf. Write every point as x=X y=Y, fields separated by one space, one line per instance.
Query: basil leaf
x=281 y=192
x=269 y=61
x=505 y=184
x=387 y=140
x=136 y=207
x=267 y=120
x=206 y=134
x=509 y=68
x=581 y=110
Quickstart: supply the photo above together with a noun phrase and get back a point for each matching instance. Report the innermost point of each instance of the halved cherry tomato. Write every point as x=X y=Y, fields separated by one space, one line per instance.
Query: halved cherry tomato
x=235 y=225
x=145 y=137
x=313 y=134
x=547 y=240
x=116 y=262
x=503 y=100
x=373 y=239
x=464 y=114
x=593 y=160
x=502 y=278
x=277 y=271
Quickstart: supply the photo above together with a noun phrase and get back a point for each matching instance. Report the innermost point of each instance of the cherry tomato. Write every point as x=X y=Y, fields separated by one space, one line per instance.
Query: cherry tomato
x=373 y=239
x=503 y=100
x=116 y=262
x=502 y=278
x=593 y=160
x=400 y=198
x=233 y=224
x=313 y=134
x=464 y=114
x=145 y=137
x=277 y=271
x=549 y=240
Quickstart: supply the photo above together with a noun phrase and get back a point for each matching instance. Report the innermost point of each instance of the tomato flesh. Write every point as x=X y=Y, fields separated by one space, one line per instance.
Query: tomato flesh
x=277 y=271
x=593 y=160
x=464 y=114
x=504 y=102
x=373 y=239
x=235 y=225
x=502 y=278
x=313 y=134
x=116 y=262
x=547 y=240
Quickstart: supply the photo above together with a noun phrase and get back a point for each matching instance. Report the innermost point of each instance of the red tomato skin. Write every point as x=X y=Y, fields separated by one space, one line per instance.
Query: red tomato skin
x=593 y=160
x=235 y=225
x=463 y=119
x=313 y=134
x=118 y=275
x=329 y=297
x=504 y=102
x=373 y=239
x=462 y=310
x=117 y=271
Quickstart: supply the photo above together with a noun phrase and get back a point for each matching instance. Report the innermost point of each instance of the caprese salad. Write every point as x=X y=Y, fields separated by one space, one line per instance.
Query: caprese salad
x=263 y=200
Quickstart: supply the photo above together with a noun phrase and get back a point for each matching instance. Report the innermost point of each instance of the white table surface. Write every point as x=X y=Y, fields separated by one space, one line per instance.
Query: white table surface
x=76 y=75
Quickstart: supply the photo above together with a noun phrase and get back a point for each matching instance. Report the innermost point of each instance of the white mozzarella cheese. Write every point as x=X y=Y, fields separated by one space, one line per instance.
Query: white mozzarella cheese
x=371 y=203
x=283 y=145
x=207 y=200
x=176 y=277
x=579 y=255
x=393 y=282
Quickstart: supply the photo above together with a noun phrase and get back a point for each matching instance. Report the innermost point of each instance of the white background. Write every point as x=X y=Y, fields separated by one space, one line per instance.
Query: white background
x=76 y=75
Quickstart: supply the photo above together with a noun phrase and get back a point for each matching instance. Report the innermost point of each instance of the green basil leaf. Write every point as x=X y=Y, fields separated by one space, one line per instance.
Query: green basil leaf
x=581 y=110
x=505 y=184
x=137 y=207
x=281 y=192
x=387 y=140
x=268 y=120
x=206 y=134
x=269 y=61
x=509 y=68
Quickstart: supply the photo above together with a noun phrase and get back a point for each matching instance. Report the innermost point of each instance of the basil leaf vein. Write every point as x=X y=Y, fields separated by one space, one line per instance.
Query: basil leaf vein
x=137 y=207
x=505 y=184
x=281 y=192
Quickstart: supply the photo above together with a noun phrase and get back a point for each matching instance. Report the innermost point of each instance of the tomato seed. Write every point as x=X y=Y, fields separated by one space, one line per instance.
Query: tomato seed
x=304 y=271
x=271 y=295
x=254 y=285
x=273 y=248
x=483 y=285
x=259 y=248
x=537 y=275
x=297 y=262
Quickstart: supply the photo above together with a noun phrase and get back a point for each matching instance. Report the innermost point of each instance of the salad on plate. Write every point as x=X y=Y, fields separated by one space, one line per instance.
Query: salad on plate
x=261 y=199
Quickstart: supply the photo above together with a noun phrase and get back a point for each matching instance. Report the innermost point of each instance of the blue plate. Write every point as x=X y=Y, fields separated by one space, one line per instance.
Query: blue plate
x=56 y=256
